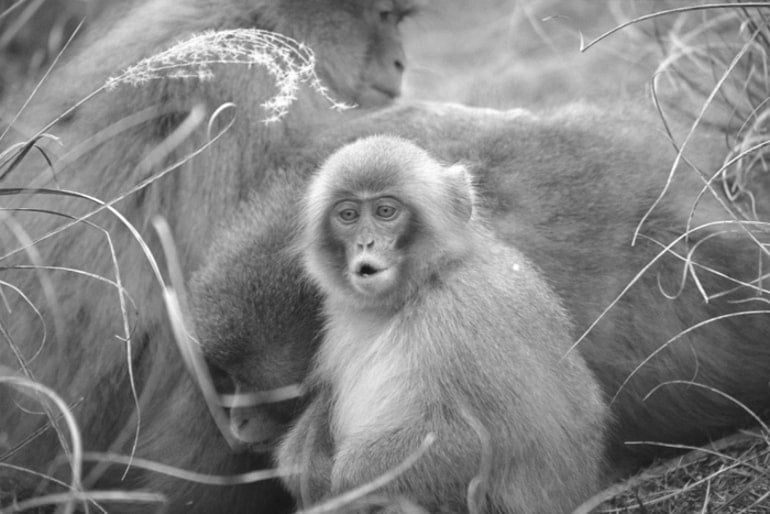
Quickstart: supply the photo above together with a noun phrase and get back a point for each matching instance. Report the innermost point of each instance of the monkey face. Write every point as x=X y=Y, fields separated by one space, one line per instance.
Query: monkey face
x=369 y=229
x=379 y=215
x=371 y=44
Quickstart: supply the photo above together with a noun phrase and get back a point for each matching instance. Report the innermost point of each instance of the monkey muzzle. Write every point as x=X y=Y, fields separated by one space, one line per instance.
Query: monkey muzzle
x=366 y=270
x=371 y=277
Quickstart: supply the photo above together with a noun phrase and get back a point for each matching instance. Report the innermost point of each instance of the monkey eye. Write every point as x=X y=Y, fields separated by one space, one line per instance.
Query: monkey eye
x=390 y=13
x=348 y=215
x=394 y=17
x=386 y=212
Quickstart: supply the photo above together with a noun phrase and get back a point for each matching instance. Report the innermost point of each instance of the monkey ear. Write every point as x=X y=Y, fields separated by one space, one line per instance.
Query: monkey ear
x=461 y=193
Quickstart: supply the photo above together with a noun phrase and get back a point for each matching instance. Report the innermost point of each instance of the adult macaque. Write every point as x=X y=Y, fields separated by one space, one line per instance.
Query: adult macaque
x=76 y=345
x=567 y=189
x=435 y=327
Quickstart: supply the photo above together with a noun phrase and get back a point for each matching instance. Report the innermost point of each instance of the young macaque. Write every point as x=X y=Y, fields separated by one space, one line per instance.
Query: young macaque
x=434 y=327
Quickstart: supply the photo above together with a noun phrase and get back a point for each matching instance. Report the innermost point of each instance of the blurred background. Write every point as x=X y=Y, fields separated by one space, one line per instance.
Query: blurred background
x=499 y=53
x=482 y=52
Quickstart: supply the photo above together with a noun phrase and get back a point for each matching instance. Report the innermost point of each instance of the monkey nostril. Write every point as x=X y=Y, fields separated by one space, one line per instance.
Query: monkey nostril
x=399 y=65
x=366 y=246
x=242 y=424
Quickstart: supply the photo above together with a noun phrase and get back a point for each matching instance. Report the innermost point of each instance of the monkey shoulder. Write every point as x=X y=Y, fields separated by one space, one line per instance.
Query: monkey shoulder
x=505 y=277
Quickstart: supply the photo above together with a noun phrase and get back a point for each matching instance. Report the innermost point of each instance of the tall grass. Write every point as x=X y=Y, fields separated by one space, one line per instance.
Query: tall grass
x=290 y=64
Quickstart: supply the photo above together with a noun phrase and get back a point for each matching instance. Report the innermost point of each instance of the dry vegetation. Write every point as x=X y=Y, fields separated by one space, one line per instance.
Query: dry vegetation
x=711 y=65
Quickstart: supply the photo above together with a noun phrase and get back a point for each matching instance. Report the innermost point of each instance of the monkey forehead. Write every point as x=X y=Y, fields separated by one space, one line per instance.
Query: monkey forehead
x=378 y=164
x=406 y=7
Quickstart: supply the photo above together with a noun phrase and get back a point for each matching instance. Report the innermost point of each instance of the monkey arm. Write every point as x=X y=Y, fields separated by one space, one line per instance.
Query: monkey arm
x=308 y=448
x=439 y=481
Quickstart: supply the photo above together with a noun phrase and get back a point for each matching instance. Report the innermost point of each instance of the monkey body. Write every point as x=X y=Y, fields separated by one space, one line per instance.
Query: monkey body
x=472 y=347
x=427 y=368
x=566 y=189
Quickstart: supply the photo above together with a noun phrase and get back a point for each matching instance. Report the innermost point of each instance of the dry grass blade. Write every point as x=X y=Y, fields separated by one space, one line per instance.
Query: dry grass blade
x=45 y=477
x=36 y=259
x=669 y=12
x=289 y=62
x=84 y=496
x=261 y=397
x=175 y=299
x=646 y=268
x=37 y=87
x=38 y=315
x=76 y=460
x=11 y=8
x=717 y=69
x=190 y=476
x=728 y=475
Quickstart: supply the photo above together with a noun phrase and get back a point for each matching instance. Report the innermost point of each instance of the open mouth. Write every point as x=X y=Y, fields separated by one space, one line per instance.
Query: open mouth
x=371 y=277
x=367 y=270
x=376 y=96
x=390 y=93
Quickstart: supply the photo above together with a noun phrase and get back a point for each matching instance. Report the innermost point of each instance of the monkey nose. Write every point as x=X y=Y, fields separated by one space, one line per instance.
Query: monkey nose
x=366 y=245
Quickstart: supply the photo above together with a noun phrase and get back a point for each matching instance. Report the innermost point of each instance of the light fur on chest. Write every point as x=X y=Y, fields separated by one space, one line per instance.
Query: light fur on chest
x=367 y=364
